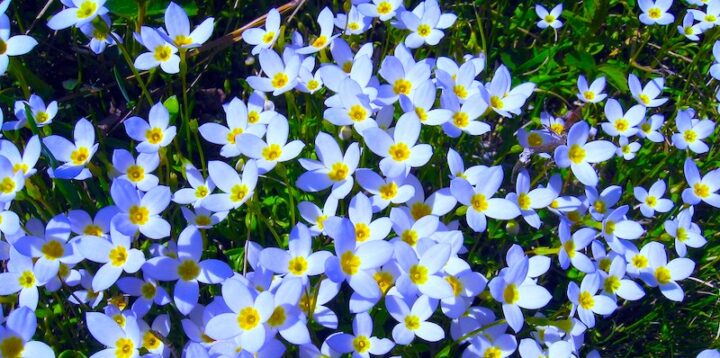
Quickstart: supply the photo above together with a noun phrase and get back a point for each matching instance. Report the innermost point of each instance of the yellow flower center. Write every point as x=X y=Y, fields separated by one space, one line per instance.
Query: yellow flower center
x=681 y=234
x=651 y=201
x=557 y=128
x=12 y=347
x=362 y=232
x=279 y=80
x=20 y=166
x=654 y=13
x=188 y=270
x=154 y=135
x=612 y=284
x=492 y=352
x=639 y=261
x=420 y=210
x=238 y=192
x=320 y=221
x=496 y=102
x=93 y=230
x=688 y=30
x=549 y=19
x=599 y=206
x=418 y=274
x=349 y=263
x=646 y=127
x=63 y=270
x=248 y=318
x=605 y=263
x=86 y=9
x=645 y=99
x=460 y=91
x=148 y=290
x=53 y=250
x=357 y=113
x=574 y=216
x=99 y=35
x=511 y=294
x=388 y=191
x=479 y=202
x=460 y=119
x=338 y=172
x=424 y=30
x=307 y=303
x=253 y=117
x=320 y=41
x=150 y=341
x=690 y=136
x=119 y=319
x=268 y=37
x=118 y=256
x=353 y=26
x=399 y=152
x=524 y=201
x=621 y=125
x=576 y=154
x=701 y=190
x=456 y=285
x=710 y=18
x=182 y=40
x=272 y=152
x=278 y=317
x=201 y=191
x=610 y=227
x=79 y=156
x=27 y=279
x=569 y=247
x=3 y=47
x=347 y=66
x=313 y=85
x=139 y=215
x=136 y=173
x=162 y=53
x=410 y=237
x=589 y=95
x=124 y=348
x=586 y=300
x=384 y=8
x=297 y=266
x=203 y=220
x=412 y=322
x=535 y=140
x=662 y=274
x=42 y=117
x=385 y=280
x=402 y=86
x=232 y=134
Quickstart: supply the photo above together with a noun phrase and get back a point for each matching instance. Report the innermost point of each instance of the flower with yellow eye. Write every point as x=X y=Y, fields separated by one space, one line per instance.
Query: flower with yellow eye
x=354 y=23
x=664 y=274
x=652 y=200
x=41 y=114
x=246 y=321
x=647 y=96
x=701 y=188
x=616 y=283
x=327 y=24
x=413 y=320
x=154 y=133
x=691 y=131
x=74 y=155
x=21 y=277
x=403 y=78
x=423 y=275
x=235 y=191
x=400 y=152
x=178 y=28
x=100 y=39
x=122 y=341
x=161 y=52
x=82 y=224
x=479 y=199
x=236 y=114
x=275 y=150
x=685 y=232
x=601 y=204
x=656 y=12
x=17 y=333
x=616 y=228
x=187 y=269
x=383 y=9
x=619 y=123
x=549 y=19
x=571 y=246
x=282 y=73
x=627 y=149
x=689 y=28
x=50 y=247
x=78 y=13
x=24 y=163
x=315 y=216
x=299 y=261
x=147 y=291
x=137 y=172
x=650 y=128
x=587 y=303
x=140 y=211
x=307 y=81
x=202 y=218
x=360 y=214
x=116 y=256
x=503 y=99
x=464 y=118
x=11 y=181
x=592 y=93
x=361 y=343
x=333 y=168
x=426 y=28
x=353 y=107
x=384 y=190
x=200 y=188
x=264 y=38
x=154 y=336
x=529 y=200
x=578 y=153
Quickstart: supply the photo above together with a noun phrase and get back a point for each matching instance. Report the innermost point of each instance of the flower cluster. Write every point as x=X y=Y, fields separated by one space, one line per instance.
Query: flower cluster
x=381 y=259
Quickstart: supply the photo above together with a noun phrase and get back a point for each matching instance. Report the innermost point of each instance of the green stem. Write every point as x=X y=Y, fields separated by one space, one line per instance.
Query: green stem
x=185 y=111
x=131 y=64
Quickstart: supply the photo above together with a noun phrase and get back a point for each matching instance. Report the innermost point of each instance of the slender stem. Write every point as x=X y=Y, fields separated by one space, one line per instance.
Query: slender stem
x=131 y=64
x=185 y=110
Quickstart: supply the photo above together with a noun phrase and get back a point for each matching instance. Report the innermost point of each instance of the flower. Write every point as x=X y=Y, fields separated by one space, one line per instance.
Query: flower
x=578 y=153
x=77 y=13
x=26 y=162
x=664 y=274
x=551 y=19
x=615 y=283
x=147 y=291
x=82 y=224
x=116 y=256
x=403 y=78
x=587 y=303
x=200 y=188
x=480 y=201
x=153 y=134
x=327 y=24
x=187 y=269
x=627 y=149
x=120 y=341
x=689 y=30
x=649 y=128
x=383 y=9
x=423 y=273
x=426 y=28
x=570 y=247
x=74 y=155
x=41 y=114
x=275 y=150
x=51 y=248
x=140 y=212
x=701 y=188
x=619 y=123
x=333 y=169
x=235 y=191
x=691 y=131
x=413 y=319
x=21 y=276
x=11 y=181
x=354 y=23
x=384 y=190
x=354 y=107
x=137 y=172
x=464 y=118
x=504 y=100
x=16 y=336
x=264 y=38
x=361 y=343
x=99 y=38
x=708 y=19
x=647 y=96
x=655 y=12
x=652 y=200
x=592 y=94
x=299 y=261
x=528 y=200
x=178 y=28
x=236 y=114
x=162 y=52
x=685 y=232
x=282 y=73
x=400 y=152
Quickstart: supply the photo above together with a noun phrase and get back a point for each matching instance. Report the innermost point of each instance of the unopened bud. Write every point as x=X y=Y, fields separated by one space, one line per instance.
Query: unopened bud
x=512 y=227
x=345 y=133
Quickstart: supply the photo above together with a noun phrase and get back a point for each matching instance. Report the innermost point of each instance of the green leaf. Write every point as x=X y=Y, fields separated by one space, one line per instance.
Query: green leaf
x=172 y=105
x=616 y=76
